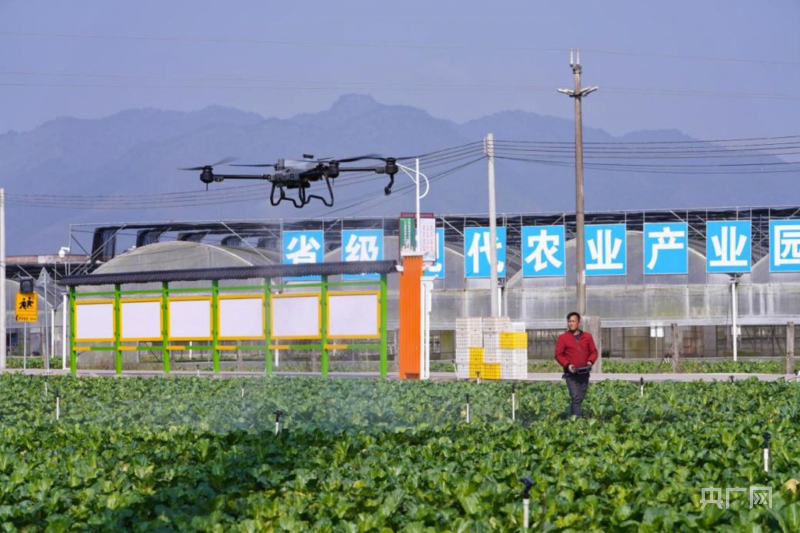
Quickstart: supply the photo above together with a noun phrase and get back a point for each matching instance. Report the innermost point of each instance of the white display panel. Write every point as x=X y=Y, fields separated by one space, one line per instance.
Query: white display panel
x=190 y=319
x=241 y=318
x=296 y=316
x=353 y=316
x=141 y=320
x=94 y=321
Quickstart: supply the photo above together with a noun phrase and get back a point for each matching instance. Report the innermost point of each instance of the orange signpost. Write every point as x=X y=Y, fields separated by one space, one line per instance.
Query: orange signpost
x=410 y=302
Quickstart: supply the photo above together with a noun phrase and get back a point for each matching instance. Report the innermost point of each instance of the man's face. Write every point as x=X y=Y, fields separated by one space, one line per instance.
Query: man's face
x=573 y=323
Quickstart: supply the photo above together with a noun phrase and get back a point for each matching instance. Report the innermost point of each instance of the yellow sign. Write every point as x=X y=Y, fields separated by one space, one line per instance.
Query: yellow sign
x=26 y=307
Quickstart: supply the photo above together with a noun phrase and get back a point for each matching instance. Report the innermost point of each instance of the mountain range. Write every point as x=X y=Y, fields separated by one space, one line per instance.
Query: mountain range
x=138 y=151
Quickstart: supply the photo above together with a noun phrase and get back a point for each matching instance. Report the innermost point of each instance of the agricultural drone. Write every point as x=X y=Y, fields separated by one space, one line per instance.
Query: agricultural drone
x=291 y=174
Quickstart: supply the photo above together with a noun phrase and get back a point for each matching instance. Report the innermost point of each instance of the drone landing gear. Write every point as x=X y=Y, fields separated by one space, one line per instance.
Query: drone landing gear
x=302 y=198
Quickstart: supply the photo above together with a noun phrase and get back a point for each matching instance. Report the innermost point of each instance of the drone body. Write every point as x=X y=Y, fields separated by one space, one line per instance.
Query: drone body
x=290 y=174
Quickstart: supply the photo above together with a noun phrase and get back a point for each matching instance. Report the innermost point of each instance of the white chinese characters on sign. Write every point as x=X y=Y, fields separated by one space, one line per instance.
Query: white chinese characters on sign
x=666 y=248
x=361 y=248
x=436 y=270
x=476 y=258
x=362 y=245
x=728 y=246
x=666 y=239
x=605 y=250
x=784 y=246
x=302 y=249
x=543 y=251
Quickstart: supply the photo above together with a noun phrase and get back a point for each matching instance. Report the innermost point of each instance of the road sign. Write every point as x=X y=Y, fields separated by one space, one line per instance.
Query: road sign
x=25 y=307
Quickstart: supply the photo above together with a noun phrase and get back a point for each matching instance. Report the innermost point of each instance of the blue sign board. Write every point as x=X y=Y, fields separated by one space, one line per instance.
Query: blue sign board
x=605 y=249
x=728 y=246
x=476 y=253
x=362 y=245
x=666 y=248
x=784 y=245
x=301 y=247
x=543 y=251
x=436 y=270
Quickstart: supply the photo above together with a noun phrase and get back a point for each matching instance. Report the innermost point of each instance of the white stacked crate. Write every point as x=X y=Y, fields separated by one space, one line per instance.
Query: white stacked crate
x=492 y=353
x=469 y=334
x=514 y=363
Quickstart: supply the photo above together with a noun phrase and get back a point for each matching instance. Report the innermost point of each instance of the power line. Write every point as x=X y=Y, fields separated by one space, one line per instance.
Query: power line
x=430 y=87
x=396 y=45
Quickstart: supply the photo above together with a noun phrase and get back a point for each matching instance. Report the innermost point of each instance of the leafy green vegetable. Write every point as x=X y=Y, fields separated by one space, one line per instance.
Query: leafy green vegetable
x=190 y=454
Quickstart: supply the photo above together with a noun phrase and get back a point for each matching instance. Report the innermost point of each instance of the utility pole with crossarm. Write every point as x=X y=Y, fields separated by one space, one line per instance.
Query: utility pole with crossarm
x=580 y=258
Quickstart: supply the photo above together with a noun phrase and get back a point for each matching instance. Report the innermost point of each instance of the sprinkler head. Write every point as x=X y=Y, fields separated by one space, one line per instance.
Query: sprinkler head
x=731 y=378
x=278 y=415
x=529 y=483
x=641 y=382
x=767 y=438
x=467 y=398
x=513 y=388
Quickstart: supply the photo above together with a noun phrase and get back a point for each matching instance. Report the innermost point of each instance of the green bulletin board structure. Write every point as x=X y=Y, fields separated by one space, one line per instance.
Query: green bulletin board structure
x=265 y=290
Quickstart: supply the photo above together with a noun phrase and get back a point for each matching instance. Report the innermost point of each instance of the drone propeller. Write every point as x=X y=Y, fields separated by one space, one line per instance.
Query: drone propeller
x=220 y=162
x=259 y=165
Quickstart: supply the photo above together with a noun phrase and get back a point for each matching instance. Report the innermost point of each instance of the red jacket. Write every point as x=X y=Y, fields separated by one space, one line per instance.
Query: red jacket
x=576 y=353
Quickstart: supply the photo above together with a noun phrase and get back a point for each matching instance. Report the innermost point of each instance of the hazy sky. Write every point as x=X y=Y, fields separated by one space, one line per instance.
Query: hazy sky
x=436 y=55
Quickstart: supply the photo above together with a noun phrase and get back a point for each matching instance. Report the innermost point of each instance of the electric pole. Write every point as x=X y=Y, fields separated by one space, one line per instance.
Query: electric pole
x=488 y=149
x=580 y=256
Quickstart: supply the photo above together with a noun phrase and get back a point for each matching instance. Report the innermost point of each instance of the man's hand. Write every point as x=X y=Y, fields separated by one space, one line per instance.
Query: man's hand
x=590 y=364
x=571 y=369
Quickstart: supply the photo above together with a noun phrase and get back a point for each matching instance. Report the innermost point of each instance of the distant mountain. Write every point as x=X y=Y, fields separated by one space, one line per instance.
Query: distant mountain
x=138 y=151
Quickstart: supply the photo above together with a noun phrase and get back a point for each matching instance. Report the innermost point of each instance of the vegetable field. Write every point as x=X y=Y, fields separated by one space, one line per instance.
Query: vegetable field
x=365 y=455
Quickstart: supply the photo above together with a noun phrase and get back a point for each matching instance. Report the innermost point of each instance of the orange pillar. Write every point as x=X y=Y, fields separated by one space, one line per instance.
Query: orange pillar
x=410 y=301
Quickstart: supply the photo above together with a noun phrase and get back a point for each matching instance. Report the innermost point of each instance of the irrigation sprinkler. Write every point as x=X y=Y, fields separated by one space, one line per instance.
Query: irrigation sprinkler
x=641 y=387
x=767 y=438
x=242 y=388
x=45 y=387
x=526 y=501
x=468 y=420
x=278 y=414
x=479 y=377
x=58 y=403
x=198 y=370
x=513 y=402
x=731 y=378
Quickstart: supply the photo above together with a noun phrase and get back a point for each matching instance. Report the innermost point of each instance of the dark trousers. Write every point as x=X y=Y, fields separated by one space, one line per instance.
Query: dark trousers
x=577 y=385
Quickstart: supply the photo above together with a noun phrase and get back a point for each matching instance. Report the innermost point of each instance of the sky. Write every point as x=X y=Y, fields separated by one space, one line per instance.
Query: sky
x=666 y=65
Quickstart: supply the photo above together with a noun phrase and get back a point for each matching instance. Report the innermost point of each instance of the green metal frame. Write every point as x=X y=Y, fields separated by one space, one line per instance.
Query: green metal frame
x=165 y=325
x=117 y=327
x=268 y=288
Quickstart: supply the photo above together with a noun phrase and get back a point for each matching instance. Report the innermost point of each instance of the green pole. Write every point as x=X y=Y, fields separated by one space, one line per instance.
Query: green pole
x=165 y=325
x=214 y=324
x=73 y=356
x=324 y=332
x=384 y=327
x=267 y=326
x=117 y=327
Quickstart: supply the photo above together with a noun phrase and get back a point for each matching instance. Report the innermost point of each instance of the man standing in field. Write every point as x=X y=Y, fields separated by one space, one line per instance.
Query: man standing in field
x=576 y=353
